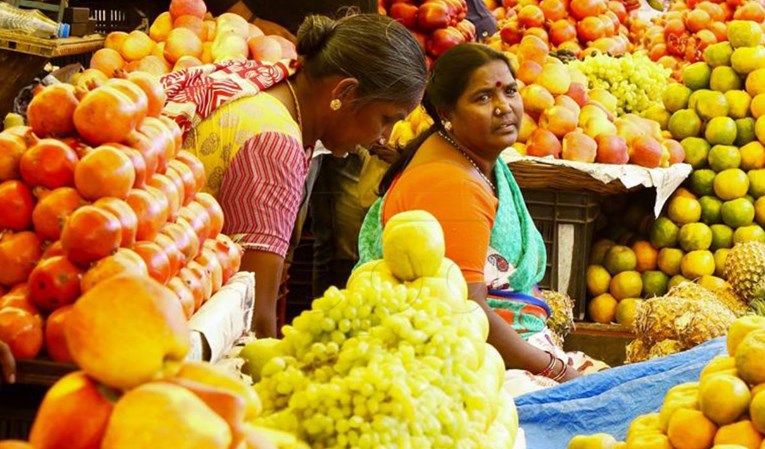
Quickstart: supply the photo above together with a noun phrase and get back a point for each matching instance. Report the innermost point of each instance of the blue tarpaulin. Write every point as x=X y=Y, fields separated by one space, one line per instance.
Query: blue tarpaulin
x=608 y=401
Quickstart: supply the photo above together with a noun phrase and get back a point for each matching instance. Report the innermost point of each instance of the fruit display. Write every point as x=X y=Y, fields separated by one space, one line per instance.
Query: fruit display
x=129 y=337
x=418 y=121
x=96 y=187
x=574 y=26
x=399 y=358
x=682 y=35
x=637 y=82
x=183 y=37
x=438 y=25
x=725 y=408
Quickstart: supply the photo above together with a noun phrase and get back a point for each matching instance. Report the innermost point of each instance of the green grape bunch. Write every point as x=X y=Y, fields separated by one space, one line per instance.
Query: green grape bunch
x=637 y=82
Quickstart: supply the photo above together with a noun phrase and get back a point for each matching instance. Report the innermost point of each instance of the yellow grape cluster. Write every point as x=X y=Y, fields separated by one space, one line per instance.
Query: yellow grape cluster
x=385 y=366
x=637 y=82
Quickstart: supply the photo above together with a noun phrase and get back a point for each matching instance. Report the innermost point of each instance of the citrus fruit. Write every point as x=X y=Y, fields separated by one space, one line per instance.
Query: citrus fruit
x=750 y=359
x=755 y=82
x=757 y=108
x=731 y=184
x=693 y=100
x=676 y=280
x=602 y=308
x=752 y=156
x=718 y=54
x=744 y=33
x=712 y=104
x=646 y=255
x=684 y=123
x=710 y=209
x=737 y=213
x=746 y=60
x=750 y=233
x=724 y=79
x=627 y=284
x=723 y=157
x=598 y=280
x=684 y=210
x=620 y=258
x=741 y=434
x=740 y=328
x=695 y=236
x=599 y=250
x=759 y=129
x=682 y=191
x=654 y=284
x=664 y=233
x=658 y=114
x=722 y=236
x=745 y=131
x=697 y=263
x=738 y=103
x=720 y=256
x=723 y=398
x=675 y=97
x=669 y=260
x=721 y=131
x=626 y=311
x=691 y=429
x=749 y=198
x=757 y=411
x=759 y=210
x=696 y=150
x=701 y=181
x=696 y=76
x=756 y=182
x=713 y=283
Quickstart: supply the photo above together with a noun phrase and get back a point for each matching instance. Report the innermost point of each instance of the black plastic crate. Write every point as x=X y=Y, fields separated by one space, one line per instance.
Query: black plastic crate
x=567 y=224
x=18 y=407
x=116 y=15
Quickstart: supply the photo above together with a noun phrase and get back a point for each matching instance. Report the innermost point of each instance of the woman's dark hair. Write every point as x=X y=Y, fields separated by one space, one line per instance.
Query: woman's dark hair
x=448 y=80
x=376 y=50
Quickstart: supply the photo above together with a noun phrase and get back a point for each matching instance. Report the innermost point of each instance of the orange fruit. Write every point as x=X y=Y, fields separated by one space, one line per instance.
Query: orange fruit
x=647 y=255
x=690 y=429
x=22 y=332
x=723 y=398
x=602 y=308
x=742 y=433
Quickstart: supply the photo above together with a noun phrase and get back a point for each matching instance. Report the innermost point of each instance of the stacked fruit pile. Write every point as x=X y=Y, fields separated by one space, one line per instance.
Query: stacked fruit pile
x=438 y=25
x=418 y=121
x=398 y=359
x=725 y=408
x=563 y=119
x=183 y=37
x=129 y=336
x=567 y=25
x=681 y=35
x=98 y=187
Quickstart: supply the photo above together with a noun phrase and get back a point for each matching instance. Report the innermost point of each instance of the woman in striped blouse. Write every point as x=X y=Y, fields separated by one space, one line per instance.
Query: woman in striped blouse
x=254 y=126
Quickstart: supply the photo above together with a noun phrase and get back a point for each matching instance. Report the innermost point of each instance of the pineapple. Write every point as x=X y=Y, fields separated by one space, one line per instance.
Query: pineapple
x=664 y=348
x=691 y=321
x=655 y=320
x=637 y=351
x=725 y=295
x=745 y=270
x=728 y=296
x=561 y=321
x=703 y=321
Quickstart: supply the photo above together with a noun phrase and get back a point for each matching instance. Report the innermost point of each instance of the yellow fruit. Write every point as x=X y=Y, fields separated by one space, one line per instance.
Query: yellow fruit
x=650 y=441
x=413 y=245
x=749 y=233
x=746 y=60
x=759 y=210
x=676 y=280
x=738 y=212
x=695 y=236
x=712 y=282
x=720 y=256
x=605 y=98
x=723 y=157
x=598 y=280
x=669 y=260
x=744 y=33
x=757 y=107
x=664 y=233
x=599 y=250
x=697 y=263
x=683 y=210
x=257 y=353
x=740 y=329
x=757 y=412
x=690 y=429
x=696 y=76
x=719 y=364
x=718 y=54
x=750 y=357
x=646 y=255
x=376 y=272
x=721 y=131
x=620 y=258
x=712 y=104
x=655 y=283
x=756 y=182
x=627 y=284
x=602 y=308
x=723 y=398
x=644 y=425
x=596 y=441
x=752 y=156
x=731 y=184
x=626 y=311
x=555 y=78
x=682 y=396
x=741 y=433
x=738 y=103
x=755 y=82
x=676 y=97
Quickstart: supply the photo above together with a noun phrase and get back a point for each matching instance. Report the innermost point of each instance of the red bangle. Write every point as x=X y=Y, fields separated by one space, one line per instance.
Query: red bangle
x=547 y=371
x=562 y=372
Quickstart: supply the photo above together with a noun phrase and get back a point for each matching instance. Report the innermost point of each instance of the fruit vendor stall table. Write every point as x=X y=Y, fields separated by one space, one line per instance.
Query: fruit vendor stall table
x=608 y=401
x=23 y=57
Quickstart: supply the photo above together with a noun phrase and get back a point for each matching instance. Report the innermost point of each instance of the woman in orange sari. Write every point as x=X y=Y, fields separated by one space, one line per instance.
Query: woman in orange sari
x=254 y=126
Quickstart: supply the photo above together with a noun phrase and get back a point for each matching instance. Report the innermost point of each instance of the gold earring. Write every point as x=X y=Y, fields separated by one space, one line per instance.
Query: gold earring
x=447 y=125
x=335 y=104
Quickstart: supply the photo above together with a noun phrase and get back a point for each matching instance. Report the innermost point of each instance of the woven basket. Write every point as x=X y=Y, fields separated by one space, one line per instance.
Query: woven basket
x=533 y=175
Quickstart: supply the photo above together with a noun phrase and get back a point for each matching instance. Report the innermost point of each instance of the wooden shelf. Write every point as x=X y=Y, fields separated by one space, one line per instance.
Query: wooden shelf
x=49 y=48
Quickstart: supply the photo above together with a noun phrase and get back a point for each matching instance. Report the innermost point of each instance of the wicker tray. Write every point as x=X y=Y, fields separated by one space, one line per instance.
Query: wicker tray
x=532 y=175
x=49 y=48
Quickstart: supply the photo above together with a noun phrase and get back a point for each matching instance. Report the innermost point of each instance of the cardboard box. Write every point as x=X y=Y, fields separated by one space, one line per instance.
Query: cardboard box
x=74 y=15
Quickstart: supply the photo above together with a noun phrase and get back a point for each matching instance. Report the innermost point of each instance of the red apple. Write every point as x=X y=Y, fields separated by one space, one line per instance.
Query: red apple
x=543 y=143
x=432 y=16
x=404 y=13
x=676 y=151
x=578 y=92
x=444 y=39
x=612 y=150
x=578 y=146
x=646 y=152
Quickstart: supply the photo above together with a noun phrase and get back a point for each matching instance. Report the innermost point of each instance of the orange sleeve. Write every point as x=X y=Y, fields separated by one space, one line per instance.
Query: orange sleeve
x=464 y=207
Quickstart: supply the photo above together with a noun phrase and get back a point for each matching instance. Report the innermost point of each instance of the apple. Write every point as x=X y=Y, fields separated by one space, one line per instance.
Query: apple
x=612 y=149
x=578 y=146
x=432 y=16
x=543 y=143
x=404 y=13
x=646 y=152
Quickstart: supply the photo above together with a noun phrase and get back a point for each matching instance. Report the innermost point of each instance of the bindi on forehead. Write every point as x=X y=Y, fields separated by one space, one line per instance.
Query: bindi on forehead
x=498 y=84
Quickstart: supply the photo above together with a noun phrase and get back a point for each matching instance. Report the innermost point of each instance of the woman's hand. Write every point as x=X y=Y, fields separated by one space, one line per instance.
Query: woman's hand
x=384 y=152
x=571 y=374
x=7 y=365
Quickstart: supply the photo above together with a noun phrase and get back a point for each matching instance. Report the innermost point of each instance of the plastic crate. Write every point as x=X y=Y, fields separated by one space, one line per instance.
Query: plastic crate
x=567 y=224
x=18 y=408
x=116 y=15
